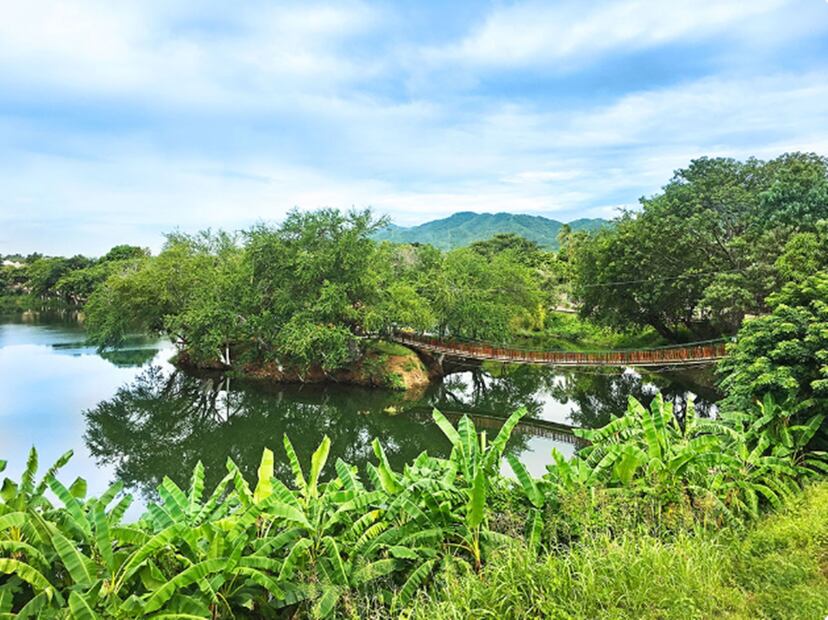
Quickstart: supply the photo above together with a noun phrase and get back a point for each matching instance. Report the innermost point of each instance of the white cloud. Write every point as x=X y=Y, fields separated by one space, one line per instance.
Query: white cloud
x=150 y=51
x=534 y=32
x=235 y=116
x=414 y=163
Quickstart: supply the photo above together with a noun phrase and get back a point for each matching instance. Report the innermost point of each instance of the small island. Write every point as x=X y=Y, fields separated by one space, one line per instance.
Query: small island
x=316 y=297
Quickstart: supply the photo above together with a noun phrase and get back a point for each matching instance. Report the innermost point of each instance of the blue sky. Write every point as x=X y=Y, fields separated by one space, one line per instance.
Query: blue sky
x=122 y=120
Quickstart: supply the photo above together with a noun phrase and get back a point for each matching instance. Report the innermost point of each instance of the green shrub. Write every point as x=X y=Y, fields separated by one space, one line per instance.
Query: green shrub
x=242 y=552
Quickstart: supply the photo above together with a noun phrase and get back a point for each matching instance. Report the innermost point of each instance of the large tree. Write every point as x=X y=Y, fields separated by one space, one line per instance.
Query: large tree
x=313 y=286
x=169 y=293
x=701 y=253
x=484 y=299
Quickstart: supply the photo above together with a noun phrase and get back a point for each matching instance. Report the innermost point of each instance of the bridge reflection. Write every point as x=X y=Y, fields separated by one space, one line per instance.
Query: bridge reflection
x=164 y=421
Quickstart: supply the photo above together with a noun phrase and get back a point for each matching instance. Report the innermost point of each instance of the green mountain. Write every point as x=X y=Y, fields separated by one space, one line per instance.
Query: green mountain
x=463 y=228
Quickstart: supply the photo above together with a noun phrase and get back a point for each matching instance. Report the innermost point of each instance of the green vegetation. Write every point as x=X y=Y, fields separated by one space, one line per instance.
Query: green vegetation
x=657 y=515
x=774 y=569
x=702 y=254
x=70 y=280
x=309 y=294
x=566 y=331
x=389 y=348
x=463 y=229
x=648 y=494
x=784 y=353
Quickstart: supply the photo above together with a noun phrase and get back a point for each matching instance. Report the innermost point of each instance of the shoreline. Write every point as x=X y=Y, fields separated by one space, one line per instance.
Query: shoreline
x=382 y=366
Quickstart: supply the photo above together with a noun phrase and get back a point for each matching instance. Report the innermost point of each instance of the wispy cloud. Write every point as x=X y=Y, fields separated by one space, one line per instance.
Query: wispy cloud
x=121 y=121
x=539 y=33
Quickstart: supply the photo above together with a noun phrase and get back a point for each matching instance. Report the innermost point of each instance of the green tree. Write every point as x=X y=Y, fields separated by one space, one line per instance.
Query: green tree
x=45 y=273
x=483 y=299
x=804 y=254
x=700 y=254
x=783 y=354
x=78 y=285
x=312 y=286
x=626 y=277
x=124 y=252
x=153 y=294
x=523 y=250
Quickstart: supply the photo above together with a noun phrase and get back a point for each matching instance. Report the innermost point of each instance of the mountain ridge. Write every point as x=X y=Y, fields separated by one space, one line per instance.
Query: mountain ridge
x=465 y=227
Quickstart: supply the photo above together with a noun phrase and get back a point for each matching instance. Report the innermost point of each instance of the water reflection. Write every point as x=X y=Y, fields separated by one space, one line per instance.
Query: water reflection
x=578 y=397
x=164 y=421
x=599 y=395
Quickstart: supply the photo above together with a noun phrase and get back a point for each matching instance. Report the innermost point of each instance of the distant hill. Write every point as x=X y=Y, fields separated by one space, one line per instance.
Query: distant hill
x=464 y=228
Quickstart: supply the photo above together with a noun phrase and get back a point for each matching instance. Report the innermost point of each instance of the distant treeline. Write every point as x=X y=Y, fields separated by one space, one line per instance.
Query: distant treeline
x=67 y=279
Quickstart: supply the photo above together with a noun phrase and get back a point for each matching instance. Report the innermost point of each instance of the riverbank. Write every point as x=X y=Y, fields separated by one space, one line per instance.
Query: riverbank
x=439 y=545
x=775 y=568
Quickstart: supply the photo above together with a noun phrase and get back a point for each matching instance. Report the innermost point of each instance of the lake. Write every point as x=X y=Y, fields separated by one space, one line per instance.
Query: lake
x=130 y=415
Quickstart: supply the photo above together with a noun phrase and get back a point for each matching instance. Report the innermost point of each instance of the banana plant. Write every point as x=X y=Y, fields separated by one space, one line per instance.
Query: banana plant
x=29 y=494
x=534 y=493
x=334 y=527
x=774 y=432
x=22 y=543
x=650 y=446
x=450 y=497
x=567 y=474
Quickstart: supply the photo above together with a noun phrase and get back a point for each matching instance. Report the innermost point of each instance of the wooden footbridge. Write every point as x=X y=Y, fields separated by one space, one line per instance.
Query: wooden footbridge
x=690 y=354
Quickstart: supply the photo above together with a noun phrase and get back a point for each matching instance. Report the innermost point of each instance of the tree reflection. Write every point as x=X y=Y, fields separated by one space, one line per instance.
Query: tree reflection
x=498 y=390
x=599 y=395
x=593 y=395
x=162 y=424
x=128 y=358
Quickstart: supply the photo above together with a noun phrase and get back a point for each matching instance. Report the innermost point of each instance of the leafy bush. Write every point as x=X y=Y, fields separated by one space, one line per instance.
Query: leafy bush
x=242 y=552
x=783 y=353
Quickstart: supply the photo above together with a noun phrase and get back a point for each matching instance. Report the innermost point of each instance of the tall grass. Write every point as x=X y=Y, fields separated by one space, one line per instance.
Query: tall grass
x=777 y=568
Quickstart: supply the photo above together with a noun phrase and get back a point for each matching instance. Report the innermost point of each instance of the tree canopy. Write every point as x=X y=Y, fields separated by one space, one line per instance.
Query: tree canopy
x=307 y=293
x=701 y=254
x=783 y=354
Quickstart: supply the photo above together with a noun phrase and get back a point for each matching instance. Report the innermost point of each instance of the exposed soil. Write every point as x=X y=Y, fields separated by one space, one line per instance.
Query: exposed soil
x=398 y=372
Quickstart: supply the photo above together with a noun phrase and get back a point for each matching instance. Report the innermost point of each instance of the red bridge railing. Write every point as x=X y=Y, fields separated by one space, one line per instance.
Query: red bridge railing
x=664 y=356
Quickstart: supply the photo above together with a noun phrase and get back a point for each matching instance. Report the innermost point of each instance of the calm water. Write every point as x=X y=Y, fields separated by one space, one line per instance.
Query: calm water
x=129 y=415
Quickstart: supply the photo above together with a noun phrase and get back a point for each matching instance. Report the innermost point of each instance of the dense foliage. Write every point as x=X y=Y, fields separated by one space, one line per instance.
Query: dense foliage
x=69 y=280
x=785 y=352
x=334 y=541
x=308 y=292
x=702 y=254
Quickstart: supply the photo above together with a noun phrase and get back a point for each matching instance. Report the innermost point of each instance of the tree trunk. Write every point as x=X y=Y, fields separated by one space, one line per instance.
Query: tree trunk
x=663 y=330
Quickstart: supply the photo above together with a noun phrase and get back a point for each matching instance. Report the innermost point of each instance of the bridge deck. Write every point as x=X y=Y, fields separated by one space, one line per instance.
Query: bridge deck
x=686 y=355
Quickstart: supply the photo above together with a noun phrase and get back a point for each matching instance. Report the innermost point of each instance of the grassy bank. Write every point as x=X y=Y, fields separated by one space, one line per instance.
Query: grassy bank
x=382 y=364
x=568 y=332
x=777 y=568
